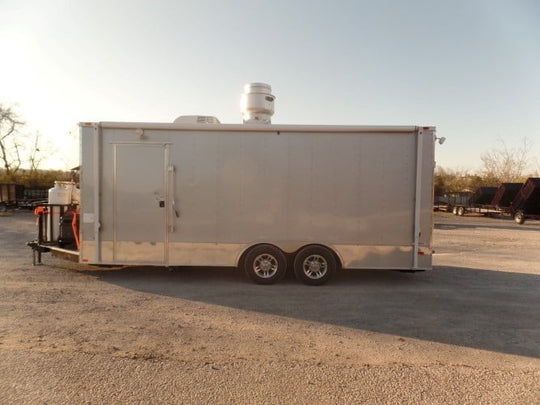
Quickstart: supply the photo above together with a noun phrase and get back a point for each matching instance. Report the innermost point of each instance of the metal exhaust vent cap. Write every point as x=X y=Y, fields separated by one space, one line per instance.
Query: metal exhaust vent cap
x=257 y=103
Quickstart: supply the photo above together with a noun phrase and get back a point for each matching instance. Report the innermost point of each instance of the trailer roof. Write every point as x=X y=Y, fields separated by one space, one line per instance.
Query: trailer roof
x=258 y=127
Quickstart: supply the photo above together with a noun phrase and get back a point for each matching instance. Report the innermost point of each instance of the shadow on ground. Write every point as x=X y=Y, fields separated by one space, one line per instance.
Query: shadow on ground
x=482 y=309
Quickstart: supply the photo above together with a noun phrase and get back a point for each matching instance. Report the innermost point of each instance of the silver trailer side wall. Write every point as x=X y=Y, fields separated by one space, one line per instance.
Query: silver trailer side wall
x=185 y=195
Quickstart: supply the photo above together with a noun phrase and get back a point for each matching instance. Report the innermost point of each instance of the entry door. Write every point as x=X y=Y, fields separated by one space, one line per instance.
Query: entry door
x=140 y=204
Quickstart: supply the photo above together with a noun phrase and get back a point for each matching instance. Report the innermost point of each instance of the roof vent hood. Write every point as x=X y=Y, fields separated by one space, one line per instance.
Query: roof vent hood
x=257 y=103
x=196 y=119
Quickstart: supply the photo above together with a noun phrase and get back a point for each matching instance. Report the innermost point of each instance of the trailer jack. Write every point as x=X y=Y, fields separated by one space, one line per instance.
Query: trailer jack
x=37 y=250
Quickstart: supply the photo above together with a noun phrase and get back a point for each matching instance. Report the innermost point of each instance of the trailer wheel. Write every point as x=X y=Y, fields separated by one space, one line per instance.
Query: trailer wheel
x=314 y=265
x=265 y=264
x=461 y=211
x=519 y=217
x=454 y=210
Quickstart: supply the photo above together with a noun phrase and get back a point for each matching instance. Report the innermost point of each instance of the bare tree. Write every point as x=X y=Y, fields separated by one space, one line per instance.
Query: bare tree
x=504 y=164
x=10 y=148
x=536 y=167
x=35 y=155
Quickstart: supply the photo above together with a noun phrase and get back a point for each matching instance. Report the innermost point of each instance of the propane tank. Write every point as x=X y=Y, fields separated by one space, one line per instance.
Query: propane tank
x=59 y=200
x=60 y=193
x=75 y=195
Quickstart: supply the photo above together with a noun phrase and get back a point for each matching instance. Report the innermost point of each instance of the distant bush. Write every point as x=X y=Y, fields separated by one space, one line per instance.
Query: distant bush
x=38 y=178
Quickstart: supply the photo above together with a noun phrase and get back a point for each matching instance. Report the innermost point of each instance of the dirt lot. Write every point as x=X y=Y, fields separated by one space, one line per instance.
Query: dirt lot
x=466 y=332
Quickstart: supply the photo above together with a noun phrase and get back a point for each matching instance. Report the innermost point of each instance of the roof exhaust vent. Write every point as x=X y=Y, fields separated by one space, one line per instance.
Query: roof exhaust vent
x=257 y=103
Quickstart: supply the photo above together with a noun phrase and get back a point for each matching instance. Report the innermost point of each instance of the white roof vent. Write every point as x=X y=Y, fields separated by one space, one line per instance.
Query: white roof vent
x=257 y=103
x=196 y=119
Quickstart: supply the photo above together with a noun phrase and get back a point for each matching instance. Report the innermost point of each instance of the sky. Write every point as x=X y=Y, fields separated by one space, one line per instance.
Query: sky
x=469 y=67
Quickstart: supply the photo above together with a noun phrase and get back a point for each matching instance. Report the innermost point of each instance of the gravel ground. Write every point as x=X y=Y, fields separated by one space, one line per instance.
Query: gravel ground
x=466 y=332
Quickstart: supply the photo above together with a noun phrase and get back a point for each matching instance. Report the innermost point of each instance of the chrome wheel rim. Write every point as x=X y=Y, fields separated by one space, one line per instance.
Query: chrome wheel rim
x=265 y=265
x=315 y=266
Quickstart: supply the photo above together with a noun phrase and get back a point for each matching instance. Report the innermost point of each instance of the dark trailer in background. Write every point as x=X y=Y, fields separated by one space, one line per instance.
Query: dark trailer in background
x=526 y=204
x=10 y=194
x=506 y=194
x=33 y=197
x=447 y=201
x=479 y=203
x=18 y=196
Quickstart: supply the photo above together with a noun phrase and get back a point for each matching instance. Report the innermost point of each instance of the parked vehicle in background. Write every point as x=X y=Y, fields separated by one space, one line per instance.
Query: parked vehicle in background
x=478 y=203
x=526 y=204
x=505 y=195
x=521 y=201
x=18 y=196
x=9 y=195
x=448 y=201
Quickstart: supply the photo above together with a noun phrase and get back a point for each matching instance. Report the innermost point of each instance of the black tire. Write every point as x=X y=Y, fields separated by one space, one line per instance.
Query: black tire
x=265 y=264
x=461 y=211
x=519 y=217
x=3 y=207
x=314 y=265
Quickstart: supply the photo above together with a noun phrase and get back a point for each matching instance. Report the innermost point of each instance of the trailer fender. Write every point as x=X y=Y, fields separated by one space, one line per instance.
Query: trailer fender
x=289 y=249
x=241 y=256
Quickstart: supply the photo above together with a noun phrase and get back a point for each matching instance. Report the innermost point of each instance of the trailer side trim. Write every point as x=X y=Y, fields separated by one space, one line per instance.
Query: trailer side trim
x=418 y=196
